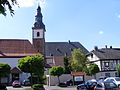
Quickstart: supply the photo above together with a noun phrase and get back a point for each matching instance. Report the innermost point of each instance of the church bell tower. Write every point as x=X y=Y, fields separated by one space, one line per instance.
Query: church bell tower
x=38 y=33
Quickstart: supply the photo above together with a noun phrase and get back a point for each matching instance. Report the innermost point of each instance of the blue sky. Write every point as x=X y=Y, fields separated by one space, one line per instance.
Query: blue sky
x=90 y=22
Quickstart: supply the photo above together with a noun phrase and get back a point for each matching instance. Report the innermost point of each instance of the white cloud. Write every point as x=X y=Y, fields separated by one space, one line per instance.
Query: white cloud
x=30 y=3
x=101 y=32
x=118 y=16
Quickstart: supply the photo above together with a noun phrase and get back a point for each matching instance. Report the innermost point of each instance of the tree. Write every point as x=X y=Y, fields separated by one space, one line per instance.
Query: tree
x=33 y=65
x=79 y=61
x=57 y=71
x=67 y=65
x=118 y=69
x=7 y=4
x=4 y=70
x=93 y=69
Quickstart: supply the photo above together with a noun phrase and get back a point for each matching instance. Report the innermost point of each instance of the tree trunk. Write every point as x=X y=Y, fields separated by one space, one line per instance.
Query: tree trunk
x=0 y=79
x=31 y=79
x=95 y=76
x=58 y=80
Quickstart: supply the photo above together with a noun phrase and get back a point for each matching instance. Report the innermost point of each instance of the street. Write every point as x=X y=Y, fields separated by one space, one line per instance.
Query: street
x=46 y=88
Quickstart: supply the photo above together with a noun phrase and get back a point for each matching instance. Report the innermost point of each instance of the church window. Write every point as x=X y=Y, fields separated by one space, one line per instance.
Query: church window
x=38 y=34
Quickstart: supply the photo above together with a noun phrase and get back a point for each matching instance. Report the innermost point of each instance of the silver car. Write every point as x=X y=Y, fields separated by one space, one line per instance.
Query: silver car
x=106 y=86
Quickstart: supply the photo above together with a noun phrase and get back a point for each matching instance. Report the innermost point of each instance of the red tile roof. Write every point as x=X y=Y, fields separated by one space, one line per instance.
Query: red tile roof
x=16 y=47
x=78 y=73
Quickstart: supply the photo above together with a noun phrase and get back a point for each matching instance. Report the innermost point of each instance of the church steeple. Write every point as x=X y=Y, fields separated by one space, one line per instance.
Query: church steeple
x=38 y=19
x=38 y=33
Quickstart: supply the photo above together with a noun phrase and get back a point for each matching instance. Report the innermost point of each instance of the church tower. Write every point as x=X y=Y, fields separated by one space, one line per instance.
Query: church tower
x=38 y=33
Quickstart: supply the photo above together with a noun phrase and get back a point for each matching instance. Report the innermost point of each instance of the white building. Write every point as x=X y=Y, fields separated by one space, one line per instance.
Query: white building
x=107 y=59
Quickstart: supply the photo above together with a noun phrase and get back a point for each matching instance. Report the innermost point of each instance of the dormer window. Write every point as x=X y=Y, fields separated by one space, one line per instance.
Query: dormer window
x=38 y=34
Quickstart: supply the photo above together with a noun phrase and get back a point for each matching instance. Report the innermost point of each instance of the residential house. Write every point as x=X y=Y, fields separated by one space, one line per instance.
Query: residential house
x=107 y=59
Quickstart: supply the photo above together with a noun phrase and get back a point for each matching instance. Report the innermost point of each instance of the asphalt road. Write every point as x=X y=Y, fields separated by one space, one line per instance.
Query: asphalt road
x=46 y=88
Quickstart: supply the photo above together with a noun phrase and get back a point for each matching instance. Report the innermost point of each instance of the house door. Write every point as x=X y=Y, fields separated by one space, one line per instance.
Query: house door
x=15 y=76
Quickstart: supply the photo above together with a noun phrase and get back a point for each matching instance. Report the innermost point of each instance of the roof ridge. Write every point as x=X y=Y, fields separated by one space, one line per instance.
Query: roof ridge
x=16 y=39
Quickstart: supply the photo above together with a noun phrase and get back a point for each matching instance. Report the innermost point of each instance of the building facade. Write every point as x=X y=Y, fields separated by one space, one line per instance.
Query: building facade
x=107 y=59
x=12 y=50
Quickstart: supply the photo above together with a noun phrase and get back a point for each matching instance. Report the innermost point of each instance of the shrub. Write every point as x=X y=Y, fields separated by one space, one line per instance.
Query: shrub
x=38 y=87
x=2 y=86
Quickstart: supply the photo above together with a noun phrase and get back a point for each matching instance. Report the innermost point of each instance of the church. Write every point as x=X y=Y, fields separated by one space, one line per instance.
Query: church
x=12 y=50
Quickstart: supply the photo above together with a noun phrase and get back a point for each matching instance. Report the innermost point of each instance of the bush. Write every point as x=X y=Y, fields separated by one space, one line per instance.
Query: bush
x=2 y=86
x=38 y=87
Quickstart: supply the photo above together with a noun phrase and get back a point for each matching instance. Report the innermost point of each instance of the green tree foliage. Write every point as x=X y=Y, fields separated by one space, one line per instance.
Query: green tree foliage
x=79 y=61
x=118 y=69
x=93 y=69
x=4 y=4
x=33 y=65
x=57 y=71
x=4 y=70
x=67 y=65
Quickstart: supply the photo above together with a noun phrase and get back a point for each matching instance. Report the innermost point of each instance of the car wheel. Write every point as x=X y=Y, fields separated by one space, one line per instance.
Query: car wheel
x=118 y=86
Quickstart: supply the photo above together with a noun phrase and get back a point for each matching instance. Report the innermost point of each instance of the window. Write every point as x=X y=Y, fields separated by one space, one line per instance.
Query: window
x=106 y=64
x=38 y=34
x=49 y=61
x=107 y=74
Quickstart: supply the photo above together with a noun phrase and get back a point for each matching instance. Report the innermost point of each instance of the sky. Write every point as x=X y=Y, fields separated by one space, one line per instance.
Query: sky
x=90 y=22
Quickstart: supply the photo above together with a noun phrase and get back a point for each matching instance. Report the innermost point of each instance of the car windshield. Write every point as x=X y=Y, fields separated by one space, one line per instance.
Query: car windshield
x=110 y=85
x=16 y=82
x=88 y=82
x=117 y=79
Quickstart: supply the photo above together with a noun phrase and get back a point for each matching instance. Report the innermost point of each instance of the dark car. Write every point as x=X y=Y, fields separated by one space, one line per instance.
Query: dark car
x=69 y=82
x=16 y=83
x=88 y=85
x=106 y=86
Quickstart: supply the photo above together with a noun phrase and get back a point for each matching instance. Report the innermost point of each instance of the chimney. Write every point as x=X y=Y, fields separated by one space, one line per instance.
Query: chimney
x=96 y=48
x=105 y=46
x=69 y=41
x=110 y=47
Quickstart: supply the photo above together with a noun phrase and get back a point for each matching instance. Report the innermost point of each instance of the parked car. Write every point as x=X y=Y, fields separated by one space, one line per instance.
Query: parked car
x=69 y=82
x=106 y=86
x=88 y=85
x=16 y=83
x=116 y=80
x=26 y=83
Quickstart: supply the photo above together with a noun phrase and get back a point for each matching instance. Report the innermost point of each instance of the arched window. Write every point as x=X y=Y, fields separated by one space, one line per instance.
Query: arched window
x=38 y=34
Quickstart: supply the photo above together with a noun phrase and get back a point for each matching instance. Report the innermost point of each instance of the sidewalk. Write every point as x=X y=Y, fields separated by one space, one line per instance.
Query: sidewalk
x=59 y=88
